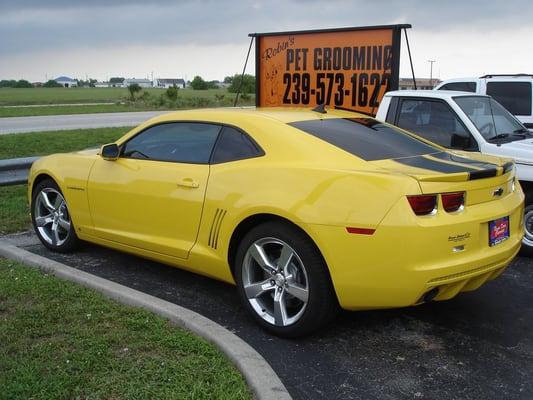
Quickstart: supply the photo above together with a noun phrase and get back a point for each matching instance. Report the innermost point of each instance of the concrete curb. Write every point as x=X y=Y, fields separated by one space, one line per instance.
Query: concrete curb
x=260 y=377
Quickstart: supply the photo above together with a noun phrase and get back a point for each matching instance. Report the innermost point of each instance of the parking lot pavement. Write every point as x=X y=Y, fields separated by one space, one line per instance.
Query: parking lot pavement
x=476 y=346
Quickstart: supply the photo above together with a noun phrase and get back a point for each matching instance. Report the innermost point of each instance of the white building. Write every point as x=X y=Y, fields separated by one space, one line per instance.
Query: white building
x=169 y=82
x=102 y=84
x=144 y=83
x=65 y=81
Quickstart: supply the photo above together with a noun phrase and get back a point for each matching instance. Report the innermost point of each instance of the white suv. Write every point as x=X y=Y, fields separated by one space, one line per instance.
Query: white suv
x=514 y=92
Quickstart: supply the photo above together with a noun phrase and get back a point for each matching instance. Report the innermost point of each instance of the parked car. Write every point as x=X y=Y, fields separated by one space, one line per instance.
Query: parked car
x=470 y=122
x=303 y=211
x=511 y=91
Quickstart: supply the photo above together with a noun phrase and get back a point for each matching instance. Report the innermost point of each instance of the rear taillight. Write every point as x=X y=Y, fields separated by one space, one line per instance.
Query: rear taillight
x=423 y=204
x=452 y=202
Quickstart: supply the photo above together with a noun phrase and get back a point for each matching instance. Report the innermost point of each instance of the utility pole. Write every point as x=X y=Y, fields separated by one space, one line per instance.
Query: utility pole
x=431 y=72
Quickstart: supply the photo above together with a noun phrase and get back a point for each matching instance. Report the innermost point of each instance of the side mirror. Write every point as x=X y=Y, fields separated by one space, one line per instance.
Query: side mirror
x=461 y=142
x=110 y=152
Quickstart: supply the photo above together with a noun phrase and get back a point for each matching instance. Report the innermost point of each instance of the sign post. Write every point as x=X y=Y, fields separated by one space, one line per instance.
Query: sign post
x=349 y=68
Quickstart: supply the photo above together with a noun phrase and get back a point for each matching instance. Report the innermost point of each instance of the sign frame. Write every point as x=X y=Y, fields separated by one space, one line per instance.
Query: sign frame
x=396 y=48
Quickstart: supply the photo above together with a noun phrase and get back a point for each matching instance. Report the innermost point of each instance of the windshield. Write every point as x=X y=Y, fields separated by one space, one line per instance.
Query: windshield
x=490 y=118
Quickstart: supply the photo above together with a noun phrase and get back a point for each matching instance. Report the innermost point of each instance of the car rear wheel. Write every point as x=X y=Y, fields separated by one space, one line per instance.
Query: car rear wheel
x=51 y=218
x=527 y=242
x=283 y=280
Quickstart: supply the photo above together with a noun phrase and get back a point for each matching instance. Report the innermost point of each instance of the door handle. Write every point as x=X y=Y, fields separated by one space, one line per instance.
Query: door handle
x=188 y=183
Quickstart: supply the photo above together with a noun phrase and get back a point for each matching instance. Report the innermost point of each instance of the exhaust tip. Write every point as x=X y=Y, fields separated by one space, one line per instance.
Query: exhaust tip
x=429 y=296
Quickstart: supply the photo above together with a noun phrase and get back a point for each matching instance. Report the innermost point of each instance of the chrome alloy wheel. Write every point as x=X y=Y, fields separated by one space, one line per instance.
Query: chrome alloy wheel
x=528 y=228
x=275 y=281
x=52 y=218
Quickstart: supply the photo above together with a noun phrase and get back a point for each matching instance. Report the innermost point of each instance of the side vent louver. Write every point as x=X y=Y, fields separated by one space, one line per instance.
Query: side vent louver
x=215 y=227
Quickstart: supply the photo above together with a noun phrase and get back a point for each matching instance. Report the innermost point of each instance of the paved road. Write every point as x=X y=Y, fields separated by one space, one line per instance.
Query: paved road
x=76 y=121
x=476 y=346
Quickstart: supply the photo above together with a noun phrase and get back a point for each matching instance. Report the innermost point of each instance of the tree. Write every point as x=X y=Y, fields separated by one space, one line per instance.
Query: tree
x=23 y=84
x=198 y=83
x=248 y=84
x=8 y=83
x=228 y=79
x=52 y=83
x=134 y=88
x=172 y=93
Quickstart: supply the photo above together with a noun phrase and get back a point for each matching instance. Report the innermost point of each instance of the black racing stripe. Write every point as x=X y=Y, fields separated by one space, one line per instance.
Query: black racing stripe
x=507 y=167
x=445 y=156
x=486 y=173
x=433 y=165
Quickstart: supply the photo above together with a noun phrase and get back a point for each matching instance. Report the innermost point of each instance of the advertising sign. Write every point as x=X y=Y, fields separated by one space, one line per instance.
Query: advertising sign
x=348 y=68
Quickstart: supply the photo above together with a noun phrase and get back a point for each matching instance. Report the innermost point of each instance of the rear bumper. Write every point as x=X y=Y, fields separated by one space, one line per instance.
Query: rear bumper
x=408 y=256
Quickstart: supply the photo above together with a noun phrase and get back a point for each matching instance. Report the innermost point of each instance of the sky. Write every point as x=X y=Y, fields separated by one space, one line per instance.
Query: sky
x=43 y=39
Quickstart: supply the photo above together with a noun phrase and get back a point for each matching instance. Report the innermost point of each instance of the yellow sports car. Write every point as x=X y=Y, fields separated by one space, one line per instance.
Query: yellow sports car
x=303 y=210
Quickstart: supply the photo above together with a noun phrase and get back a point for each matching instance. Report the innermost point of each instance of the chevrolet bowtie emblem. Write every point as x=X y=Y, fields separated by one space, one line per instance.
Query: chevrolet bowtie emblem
x=498 y=192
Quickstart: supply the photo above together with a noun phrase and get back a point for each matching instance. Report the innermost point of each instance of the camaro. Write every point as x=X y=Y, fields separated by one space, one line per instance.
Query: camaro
x=303 y=210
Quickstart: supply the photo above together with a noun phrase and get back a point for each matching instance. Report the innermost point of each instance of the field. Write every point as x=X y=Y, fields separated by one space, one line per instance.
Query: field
x=61 y=101
x=13 y=97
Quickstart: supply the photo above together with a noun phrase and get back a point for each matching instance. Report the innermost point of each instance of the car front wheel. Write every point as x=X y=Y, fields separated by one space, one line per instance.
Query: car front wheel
x=283 y=280
x=51 y=218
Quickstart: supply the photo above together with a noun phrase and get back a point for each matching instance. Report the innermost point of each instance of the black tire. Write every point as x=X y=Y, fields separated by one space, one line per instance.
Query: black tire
x=68 y=239
x=321 y=304
x=527 y=243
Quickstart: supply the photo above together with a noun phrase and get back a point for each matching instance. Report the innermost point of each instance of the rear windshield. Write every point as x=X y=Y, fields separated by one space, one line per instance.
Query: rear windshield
x=366 y=138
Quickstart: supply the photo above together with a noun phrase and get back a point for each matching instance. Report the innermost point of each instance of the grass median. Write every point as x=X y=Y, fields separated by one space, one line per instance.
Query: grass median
x=70 y=109
x=63 y=341
x=14 y=212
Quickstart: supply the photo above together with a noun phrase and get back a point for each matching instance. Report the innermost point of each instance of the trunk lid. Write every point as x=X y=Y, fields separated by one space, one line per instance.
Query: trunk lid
x=482 y=178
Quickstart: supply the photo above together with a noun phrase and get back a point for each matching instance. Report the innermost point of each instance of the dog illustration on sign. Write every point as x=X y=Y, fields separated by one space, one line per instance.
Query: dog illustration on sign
x=272 y=85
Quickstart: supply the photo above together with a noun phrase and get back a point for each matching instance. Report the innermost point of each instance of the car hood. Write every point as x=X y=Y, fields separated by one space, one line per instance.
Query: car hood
x=88 y=152
x=519 y=150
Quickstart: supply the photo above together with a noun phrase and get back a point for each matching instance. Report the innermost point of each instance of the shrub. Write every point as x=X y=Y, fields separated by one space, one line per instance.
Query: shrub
x=172 y=93
x=52 y=83
x=134 y=88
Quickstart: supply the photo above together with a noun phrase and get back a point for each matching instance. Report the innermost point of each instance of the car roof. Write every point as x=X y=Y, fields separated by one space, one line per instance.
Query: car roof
x=284 y=115
x=437 y=94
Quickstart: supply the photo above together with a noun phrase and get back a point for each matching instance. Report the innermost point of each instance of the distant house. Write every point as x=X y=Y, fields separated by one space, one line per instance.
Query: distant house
x=169 y=82
x=102 y=84
x=65 y=81
x=144 y=83
x=116 y=82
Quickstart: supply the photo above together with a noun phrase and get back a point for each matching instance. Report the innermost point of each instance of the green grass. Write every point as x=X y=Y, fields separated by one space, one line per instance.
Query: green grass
x=42 y=143
x=64 y=110
x=62 y=341
x=14 y=211
x=12 y=96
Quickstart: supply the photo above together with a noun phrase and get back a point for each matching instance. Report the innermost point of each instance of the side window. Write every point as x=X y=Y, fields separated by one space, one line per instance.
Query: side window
x=460 y=86
x=182 y=142
x=515 y=96
x=234 y=145
x=434 y=121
